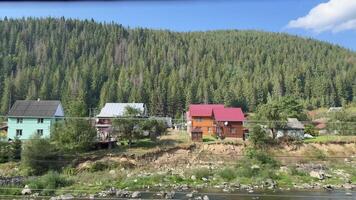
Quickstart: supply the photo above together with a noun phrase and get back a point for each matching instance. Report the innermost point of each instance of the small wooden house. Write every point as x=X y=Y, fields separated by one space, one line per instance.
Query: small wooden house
x=201 y=116
x=294 y=129
x=215 y=119
x=229 y=122
x=114 y=110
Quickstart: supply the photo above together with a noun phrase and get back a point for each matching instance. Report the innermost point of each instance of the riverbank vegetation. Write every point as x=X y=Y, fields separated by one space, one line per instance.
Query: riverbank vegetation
x=181 y=164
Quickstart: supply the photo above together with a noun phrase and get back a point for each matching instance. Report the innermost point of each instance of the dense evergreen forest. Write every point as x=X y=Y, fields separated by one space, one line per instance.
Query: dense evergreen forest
x=85 y=64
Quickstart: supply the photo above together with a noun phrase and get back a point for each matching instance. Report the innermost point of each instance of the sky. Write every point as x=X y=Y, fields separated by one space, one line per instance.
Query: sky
x=333 y=21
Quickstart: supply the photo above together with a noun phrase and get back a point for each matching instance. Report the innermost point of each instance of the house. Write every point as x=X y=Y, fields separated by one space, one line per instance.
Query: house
x=201 y=115
x=114 y=110
x=294 y=128
x=215 y=119
x=27 y=117
x=321 y=125
x=229 y=122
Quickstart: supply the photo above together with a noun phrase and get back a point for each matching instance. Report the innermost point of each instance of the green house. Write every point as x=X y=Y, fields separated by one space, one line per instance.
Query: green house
x=28 y=117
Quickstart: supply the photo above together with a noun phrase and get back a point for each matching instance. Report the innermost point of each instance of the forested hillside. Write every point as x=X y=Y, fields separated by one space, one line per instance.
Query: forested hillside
x=85 y=64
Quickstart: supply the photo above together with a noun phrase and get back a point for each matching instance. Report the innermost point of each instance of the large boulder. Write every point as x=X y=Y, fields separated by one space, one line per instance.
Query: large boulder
x=136 y=194
x=318 y=174
x=26 y=190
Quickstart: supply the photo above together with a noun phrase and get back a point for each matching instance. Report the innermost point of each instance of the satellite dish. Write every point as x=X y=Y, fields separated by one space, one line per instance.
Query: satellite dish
x=226 y=123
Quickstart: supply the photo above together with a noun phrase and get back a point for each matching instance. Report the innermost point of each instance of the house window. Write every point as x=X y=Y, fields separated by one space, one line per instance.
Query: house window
x=40 y=132
x=209 y=129
x=199 y=119
x=233 y=130
x=40 y=120
x=18 y=132
x=19 y=120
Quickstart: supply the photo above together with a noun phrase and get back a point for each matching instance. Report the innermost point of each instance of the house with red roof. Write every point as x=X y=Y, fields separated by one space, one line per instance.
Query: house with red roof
x=201 y=116
x=215 y=119
x=229 y=122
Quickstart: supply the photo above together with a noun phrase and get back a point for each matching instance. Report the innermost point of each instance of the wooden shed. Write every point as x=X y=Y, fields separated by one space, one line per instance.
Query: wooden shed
x=197 y=134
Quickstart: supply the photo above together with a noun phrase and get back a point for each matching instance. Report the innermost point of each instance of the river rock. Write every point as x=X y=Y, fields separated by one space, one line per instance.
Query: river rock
x=329 y=187
x=26 y=190
x=193 y=177
x=189 y=195
x=205 y=197
x=348 y=186
x=66 y=197
x=169 y=195
x=122 y=193
x=317 y=174
x=204 y=179
x=136 y=194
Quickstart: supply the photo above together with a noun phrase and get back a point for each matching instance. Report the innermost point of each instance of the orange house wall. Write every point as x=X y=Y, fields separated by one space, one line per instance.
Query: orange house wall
x=205 y=124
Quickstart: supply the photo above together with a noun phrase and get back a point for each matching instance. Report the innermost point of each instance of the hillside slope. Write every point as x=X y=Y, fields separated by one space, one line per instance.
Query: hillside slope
x=86 y=64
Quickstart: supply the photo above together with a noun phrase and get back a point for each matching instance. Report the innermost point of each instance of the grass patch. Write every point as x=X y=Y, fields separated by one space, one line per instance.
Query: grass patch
x=324 y=139
x=209 y=139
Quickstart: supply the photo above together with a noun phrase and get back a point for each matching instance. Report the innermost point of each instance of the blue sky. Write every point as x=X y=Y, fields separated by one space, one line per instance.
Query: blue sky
x=199 y=15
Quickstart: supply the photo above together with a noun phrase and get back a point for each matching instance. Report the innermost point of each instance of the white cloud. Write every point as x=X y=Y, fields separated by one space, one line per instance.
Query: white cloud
x=335 y=16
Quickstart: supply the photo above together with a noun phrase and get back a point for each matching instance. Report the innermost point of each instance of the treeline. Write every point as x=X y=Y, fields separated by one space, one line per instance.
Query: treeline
x=85 y=64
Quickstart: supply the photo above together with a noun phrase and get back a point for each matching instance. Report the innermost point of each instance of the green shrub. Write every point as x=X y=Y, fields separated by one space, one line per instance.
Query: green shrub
x=70 y=171
x=310 y=129
x=48 y=183
x=38 y=156
x=257 y=164
x=10 y=151
x=295 y=172
x=202 y=172
x=5 y=150
x=73 y=135
x=262 y=157
x=228 y=173
x=258 y=137
x=99 y=166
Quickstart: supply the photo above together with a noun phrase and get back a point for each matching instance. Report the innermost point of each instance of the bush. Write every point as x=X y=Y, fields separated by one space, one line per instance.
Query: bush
x=257 y=164
x=48 y=183
x=202 y=173
x=39 y=155
x=99 y=166
x=262 y=157
x=73 y=135
x=310 y=129
x=228 y=173
x=258 y=137
x=10 y=151
x=4 y=152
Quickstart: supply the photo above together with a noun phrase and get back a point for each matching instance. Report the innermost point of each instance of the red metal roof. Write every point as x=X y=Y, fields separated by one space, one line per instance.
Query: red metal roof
x=203 y=110
x=229 y=114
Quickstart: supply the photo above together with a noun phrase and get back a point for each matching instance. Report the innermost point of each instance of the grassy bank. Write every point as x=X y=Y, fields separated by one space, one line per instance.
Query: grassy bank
x=169 y=165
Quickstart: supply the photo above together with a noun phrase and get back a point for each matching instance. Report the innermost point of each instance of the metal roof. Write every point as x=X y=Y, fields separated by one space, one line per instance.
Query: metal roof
x=229 y=114
x=203 y=110
x=118 y=109
x=33 y=108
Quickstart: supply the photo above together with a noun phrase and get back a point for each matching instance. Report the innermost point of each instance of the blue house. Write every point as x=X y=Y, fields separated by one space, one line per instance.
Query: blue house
x=28 y=117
